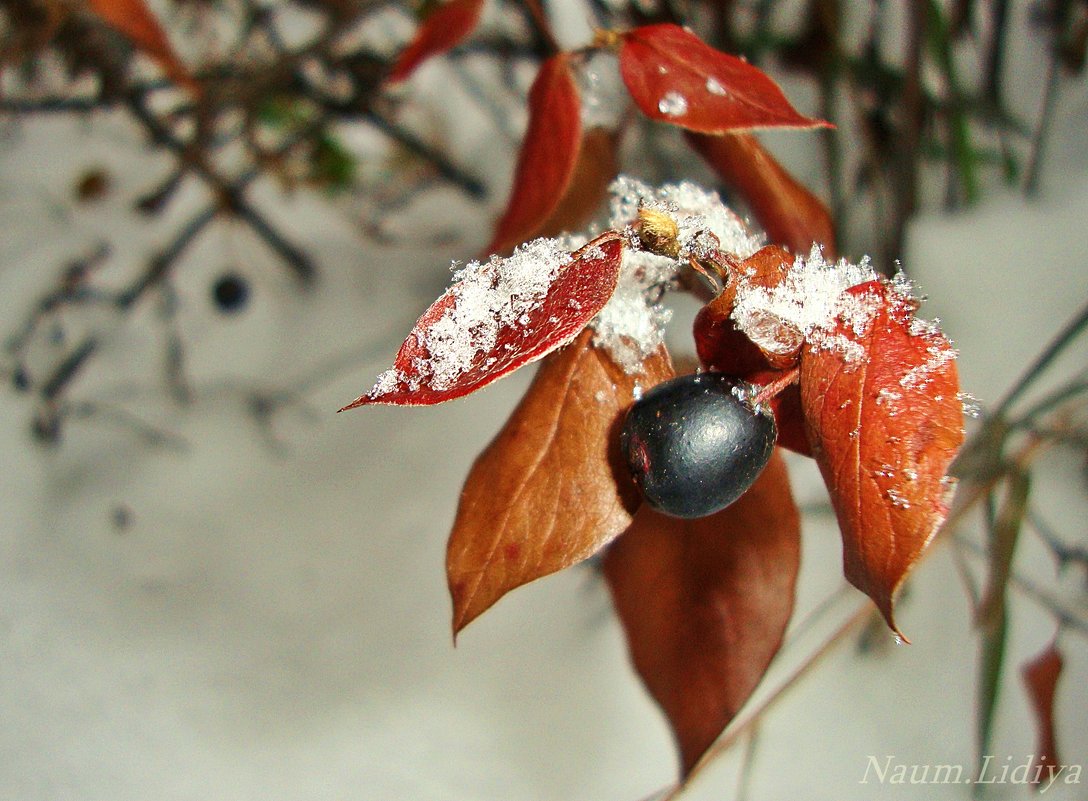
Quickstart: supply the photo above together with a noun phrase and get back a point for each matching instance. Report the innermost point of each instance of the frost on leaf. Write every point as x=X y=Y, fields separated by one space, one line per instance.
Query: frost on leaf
x=442 y=29
x=673 y=76
x=546 y=493
x=879 y=396
x=705 y=604
x=549 y=154
x=498 y=316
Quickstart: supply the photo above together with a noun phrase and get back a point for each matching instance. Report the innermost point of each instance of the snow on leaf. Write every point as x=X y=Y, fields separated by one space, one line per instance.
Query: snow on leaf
x=134 y=21
x=549 y=154
x=1040 y=676
x=705 y=604
x=442 y=30
x=879 y=396
x=498 y=316
x=544 y=494
x=790 y=214
x=673 y=76
x=801 y=305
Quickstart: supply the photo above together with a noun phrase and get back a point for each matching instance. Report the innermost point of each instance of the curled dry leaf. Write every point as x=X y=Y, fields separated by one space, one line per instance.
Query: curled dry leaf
x=675 y=77
x=883 y=417
x=442 y=30
x=790 y=214
x=548 y=155
x=499 y=316
x=133 y=20
x=705 y=604
x=1040 y=677
x=544 y=494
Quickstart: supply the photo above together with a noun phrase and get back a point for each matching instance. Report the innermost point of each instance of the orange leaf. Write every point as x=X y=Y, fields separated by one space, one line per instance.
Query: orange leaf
x=442 y=30
x=881 y=407
x=790 y=214
x=675 y=77
x=705 y=604
x=1040 y=677
x=499 y=316
x=548 y=155
x=133 y=20
x=544 y=494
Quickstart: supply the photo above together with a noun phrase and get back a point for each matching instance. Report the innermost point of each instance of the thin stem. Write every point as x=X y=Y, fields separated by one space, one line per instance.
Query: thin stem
x=1071 y=331
x=1042 y=128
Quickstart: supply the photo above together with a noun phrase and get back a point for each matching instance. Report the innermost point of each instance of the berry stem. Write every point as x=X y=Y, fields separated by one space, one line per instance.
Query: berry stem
x=769 y=391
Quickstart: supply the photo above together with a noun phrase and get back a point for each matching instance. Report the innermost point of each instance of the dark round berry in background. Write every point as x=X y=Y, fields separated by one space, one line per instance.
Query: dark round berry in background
x=93 y=185
x=231 y=293
x=694 y=444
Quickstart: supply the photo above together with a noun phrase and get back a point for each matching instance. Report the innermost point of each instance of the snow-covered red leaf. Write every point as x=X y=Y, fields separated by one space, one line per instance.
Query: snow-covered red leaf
x=548 y=155
x=498 y=316
x=134 y=21
x=880 y=395
x=790 y=214
x=545 y=494
x=1040 y=676
x=442 y=30
x=705 y=604
x=675 y=77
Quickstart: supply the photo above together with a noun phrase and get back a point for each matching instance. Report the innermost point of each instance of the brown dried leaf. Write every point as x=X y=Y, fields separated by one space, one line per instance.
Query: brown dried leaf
x=705 y=604
x=544 y=494
x=884 y=425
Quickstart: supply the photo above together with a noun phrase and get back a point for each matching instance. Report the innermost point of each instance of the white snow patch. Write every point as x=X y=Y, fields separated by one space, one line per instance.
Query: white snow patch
x=806 y=305
x=632 y=325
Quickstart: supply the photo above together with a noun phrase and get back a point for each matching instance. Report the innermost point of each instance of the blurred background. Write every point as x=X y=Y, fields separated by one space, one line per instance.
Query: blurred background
x=214 y=587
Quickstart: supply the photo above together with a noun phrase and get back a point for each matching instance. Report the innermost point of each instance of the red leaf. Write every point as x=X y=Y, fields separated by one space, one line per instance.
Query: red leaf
x=705 y=604
x=133 y=20
x=674 y=77
x=1040 y=677
x=442 y=30
x=881 y=406
x=789 y=213
x=596 y=168
x=500 y=315
x=548 y=155
x=544 y=494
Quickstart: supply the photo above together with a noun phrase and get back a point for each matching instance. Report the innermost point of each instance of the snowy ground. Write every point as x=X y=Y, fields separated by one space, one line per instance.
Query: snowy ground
x=272 y=623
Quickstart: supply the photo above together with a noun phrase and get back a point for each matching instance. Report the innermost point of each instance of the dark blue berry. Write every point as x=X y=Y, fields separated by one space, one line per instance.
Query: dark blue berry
x=696 y=443
x=231 y=292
